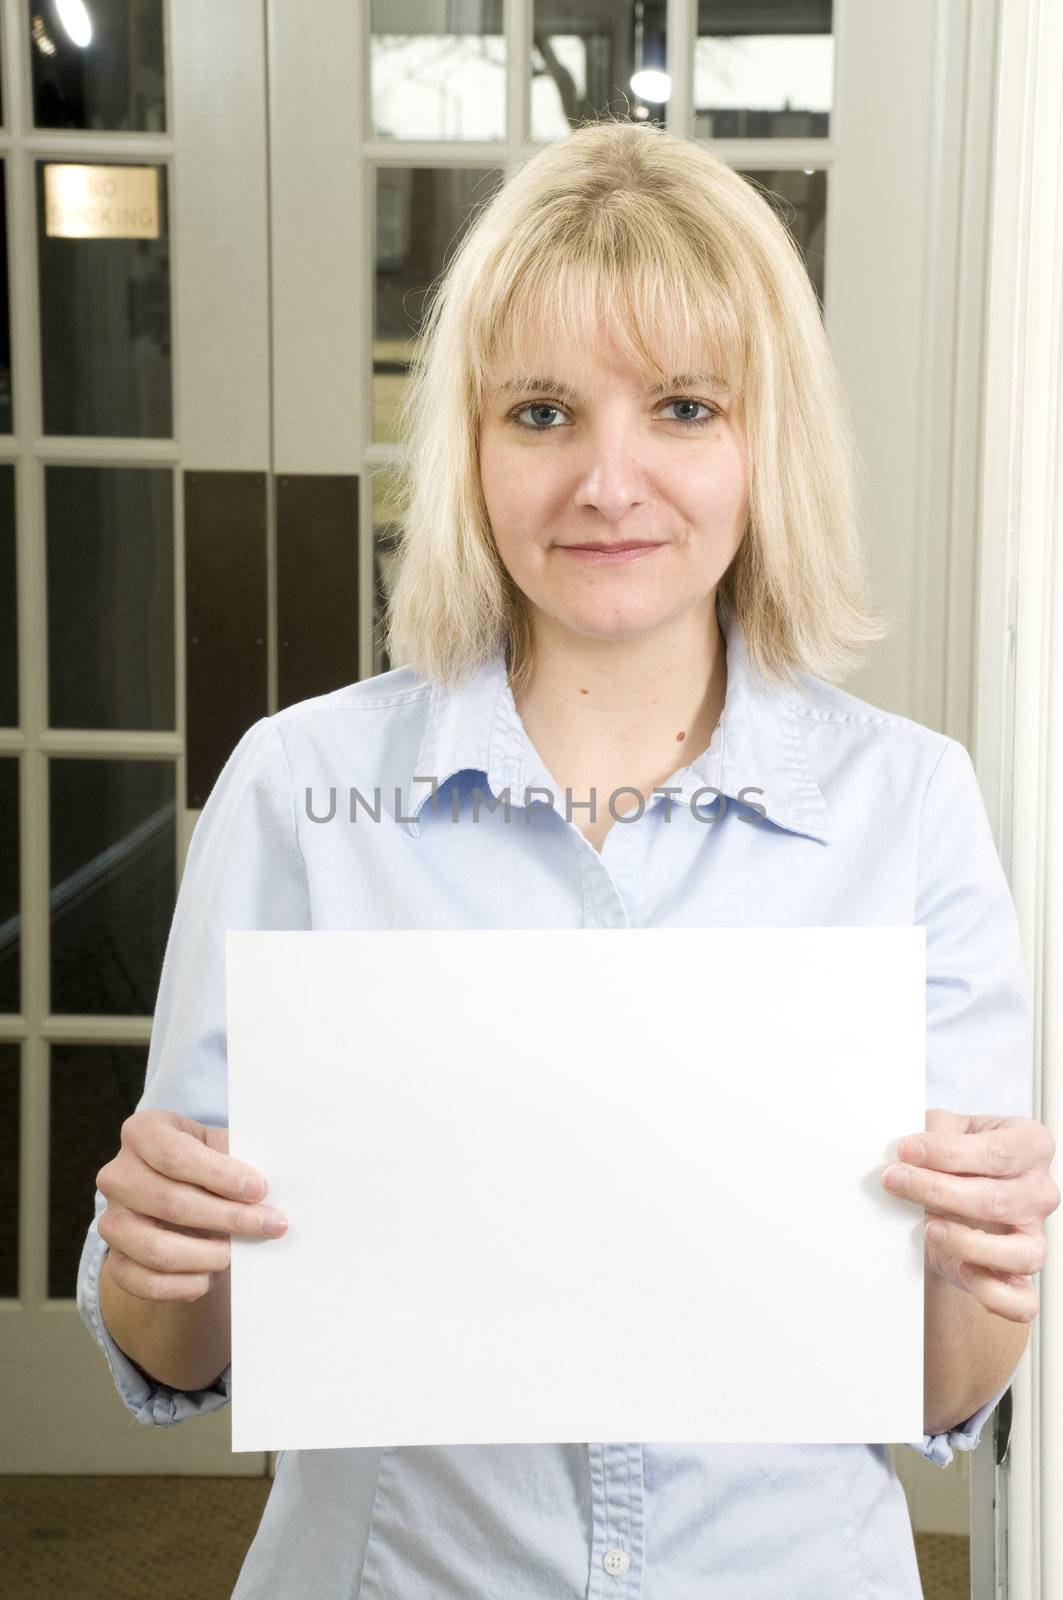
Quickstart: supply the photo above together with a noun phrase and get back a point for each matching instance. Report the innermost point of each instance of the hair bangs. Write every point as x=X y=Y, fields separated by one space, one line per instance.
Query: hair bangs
x=663 y=317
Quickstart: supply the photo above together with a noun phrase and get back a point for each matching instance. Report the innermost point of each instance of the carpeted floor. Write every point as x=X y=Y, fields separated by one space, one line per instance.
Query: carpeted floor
x=170 y=1538
x=126 y=1538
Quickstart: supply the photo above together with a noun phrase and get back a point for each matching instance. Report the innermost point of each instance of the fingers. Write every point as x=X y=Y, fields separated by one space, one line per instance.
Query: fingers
x=1015 y=1298
x=1014 y=1253
x=161 y=1249
x=175 y=1146
x=147 y=1285
x=141 y=1188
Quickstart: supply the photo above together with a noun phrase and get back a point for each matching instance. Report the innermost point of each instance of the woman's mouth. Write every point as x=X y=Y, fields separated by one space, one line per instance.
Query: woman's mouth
x=611 y=554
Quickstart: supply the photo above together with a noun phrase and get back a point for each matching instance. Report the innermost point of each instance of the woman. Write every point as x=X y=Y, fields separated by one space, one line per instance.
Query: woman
x=629 y=570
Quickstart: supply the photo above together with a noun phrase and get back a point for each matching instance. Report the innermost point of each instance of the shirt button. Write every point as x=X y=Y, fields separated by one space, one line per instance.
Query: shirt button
x=616 y=1562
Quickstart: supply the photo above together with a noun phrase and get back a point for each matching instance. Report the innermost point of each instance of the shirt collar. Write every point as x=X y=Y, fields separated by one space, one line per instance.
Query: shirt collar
x=757 y=746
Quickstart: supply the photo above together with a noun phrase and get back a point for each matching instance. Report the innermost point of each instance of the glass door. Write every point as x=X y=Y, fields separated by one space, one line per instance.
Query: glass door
x=128 y=148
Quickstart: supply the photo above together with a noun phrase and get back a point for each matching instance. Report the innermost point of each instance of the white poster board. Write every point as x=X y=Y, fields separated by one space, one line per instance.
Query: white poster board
x=577 y=1184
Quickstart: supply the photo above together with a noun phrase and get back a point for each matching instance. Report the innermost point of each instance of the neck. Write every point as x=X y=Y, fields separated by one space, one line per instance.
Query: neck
x=633 y=709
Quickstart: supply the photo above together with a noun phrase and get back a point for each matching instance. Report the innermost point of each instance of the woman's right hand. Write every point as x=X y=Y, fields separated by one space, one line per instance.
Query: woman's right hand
x=174 y=1197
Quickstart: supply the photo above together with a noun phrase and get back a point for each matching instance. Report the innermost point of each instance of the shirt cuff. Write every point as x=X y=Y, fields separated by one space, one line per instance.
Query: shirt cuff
x=154 y=1404
x=938 y=1447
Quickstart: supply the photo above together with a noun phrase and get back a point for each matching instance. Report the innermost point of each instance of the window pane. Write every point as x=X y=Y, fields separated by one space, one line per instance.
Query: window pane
x=317 y=583
x=103 y=243
x=800 y=199
x=10 y=1117
x=113 y=875
x=385 y=539
x=93 y=1089
x=10 y=900
x=597 y=60
x=421 y=213
x=98 y=64
x=763 y=69
x=7 y=415
x=227 y=625
x=8 y=600
x=110 y=597
x=438 y=72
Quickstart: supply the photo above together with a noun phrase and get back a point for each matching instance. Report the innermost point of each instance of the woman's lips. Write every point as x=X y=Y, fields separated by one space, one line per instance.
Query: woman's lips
x=608 y=554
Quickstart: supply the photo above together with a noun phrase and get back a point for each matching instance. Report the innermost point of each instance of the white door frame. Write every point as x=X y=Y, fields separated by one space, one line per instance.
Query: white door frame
x=1020 y=746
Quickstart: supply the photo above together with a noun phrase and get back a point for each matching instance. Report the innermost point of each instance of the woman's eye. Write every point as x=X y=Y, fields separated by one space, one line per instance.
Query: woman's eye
x=539 y=405
x=691 y=421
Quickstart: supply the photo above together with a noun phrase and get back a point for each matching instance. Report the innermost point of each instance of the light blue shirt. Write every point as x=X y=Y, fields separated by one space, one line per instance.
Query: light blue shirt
x=867 y=818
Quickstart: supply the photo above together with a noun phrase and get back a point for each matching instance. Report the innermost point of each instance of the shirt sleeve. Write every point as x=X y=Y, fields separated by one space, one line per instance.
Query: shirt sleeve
x=979 y=1028
x=244 y=869
x=938 y=1447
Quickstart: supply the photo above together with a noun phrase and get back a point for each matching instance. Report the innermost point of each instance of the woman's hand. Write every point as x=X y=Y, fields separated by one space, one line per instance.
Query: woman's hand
x=991 y=1172
x=174 y=1197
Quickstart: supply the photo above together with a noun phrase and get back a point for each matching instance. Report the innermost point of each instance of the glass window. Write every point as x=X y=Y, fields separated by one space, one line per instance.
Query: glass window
x=8 y=600
x=385 y=540
x=94 y=1088
x=10 y=1118
x=799 y=197
x=438 y=72
x=597 y=60
x=10 y=902
x=7 y=414
x=110 y=597
x=104 y=252
x=421 y=212
x=763 y=69
x=113 y=876
x=98 y=64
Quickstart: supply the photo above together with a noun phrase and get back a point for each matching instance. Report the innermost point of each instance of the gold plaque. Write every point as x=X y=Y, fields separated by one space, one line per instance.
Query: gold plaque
x=117 y=202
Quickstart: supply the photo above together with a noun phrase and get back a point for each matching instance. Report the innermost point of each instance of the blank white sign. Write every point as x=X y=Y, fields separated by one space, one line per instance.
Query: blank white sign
x=577 y=1184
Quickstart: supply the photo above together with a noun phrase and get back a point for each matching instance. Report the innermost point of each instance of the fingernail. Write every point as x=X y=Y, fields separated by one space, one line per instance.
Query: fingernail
x=253 y=1188
x=935 y=1232
x=896 y=1177
x=274 y=1222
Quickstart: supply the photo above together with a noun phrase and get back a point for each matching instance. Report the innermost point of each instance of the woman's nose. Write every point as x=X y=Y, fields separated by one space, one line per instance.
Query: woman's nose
x=610 y=478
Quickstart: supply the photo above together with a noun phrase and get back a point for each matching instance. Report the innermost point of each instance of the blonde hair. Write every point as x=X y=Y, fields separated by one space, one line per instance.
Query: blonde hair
x=630 y=229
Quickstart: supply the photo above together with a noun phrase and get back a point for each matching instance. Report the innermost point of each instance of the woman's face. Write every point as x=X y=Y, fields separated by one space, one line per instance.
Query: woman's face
x=591 y=457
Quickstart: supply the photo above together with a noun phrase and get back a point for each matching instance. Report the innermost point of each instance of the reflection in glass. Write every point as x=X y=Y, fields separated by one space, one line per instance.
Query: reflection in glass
x=385 y=540
x=10 y=866
x=10 y=1118
x=110 y=597
x=93 y=1089
x=104 y=301
x=8 y=600
x=763 y=70
x=7 y=415
x=113 y=865
x=800 y=200
x=438 y=72
x=421 y=213
x=98 y=65
x=597 y=60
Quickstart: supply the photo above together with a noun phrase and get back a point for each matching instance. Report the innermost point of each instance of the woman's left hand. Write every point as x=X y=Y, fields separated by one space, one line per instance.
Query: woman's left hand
x=985 y=1182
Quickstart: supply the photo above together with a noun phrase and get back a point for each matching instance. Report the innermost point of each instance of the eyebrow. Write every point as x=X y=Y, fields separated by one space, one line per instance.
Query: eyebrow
x=564 y=391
